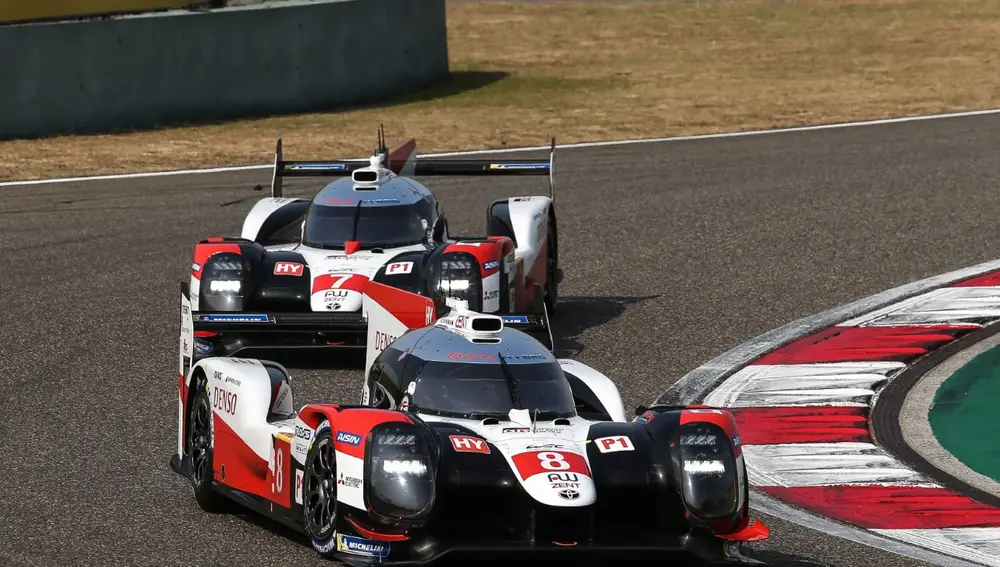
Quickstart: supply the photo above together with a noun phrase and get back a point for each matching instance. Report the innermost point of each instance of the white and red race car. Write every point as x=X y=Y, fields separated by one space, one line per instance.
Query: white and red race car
x=471 y=439
x=294 y=277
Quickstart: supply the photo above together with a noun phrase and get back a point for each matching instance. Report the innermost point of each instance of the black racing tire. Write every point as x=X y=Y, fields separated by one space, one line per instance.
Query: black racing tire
x=319 y=492
x=552 y=269
x=198 y=448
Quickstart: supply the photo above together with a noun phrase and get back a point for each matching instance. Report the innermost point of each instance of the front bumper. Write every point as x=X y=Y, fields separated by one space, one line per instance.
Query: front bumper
x=682 y=550
x=262 y=334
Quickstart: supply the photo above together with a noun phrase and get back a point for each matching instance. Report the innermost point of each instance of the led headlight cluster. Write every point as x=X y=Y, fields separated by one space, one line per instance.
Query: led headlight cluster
x=708 y=475
x=223 y=283
x=458 y=276
x=400 y=472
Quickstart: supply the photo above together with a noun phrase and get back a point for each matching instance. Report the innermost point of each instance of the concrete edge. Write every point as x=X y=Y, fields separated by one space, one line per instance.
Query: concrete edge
x=916 y=429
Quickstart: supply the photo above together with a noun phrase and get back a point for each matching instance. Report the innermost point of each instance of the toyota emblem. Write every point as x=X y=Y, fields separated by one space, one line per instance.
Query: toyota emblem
x=569 y=494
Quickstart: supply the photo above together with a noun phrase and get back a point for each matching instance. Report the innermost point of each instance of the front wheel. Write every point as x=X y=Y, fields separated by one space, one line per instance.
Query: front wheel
x=319 y=492
x=199 y=448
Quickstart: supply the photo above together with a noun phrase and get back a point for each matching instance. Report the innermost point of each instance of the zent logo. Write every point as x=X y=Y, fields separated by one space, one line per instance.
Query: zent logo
x=614 y=444
x=224 y=401
x=466 y=444
x=348 y=438
x=399 y=268
x=288 y=269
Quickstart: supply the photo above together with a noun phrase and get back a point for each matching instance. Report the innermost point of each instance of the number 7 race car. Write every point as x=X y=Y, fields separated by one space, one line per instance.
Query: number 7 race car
x=294 y=277
x=471 y=438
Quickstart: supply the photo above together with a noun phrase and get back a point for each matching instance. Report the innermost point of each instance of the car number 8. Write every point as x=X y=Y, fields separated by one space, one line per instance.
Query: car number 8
x=553 y=461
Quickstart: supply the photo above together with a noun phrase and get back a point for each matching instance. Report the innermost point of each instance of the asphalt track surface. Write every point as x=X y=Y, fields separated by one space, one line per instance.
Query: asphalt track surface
x=674 y=253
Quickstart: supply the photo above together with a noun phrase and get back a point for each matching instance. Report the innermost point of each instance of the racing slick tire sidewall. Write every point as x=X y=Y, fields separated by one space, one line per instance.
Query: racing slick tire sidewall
x=325 y=542
x=207 y=499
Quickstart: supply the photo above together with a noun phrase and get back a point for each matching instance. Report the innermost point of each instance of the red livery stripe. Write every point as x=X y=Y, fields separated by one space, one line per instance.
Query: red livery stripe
x=815 y=424
x=244 y=468
x=878 y=507
x=207 y=248
x=349 y=282
x=986 y=280
x=866 y=344
x=530 y=463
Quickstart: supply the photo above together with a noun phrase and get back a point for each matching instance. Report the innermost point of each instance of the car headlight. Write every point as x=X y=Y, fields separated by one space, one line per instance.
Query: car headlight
x=457 y=276
x=223 y=283
x=708 y=477
x=400 y=472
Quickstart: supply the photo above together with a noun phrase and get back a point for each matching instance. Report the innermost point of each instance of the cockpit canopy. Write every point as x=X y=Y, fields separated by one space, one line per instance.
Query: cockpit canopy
x=477 y=390
x=374 y=223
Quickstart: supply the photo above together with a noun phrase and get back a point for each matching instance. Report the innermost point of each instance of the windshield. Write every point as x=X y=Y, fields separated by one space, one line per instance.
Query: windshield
x=477 y=391
x=377 y=225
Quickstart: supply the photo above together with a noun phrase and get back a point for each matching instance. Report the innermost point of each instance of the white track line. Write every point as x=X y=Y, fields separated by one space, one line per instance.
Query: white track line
x=722 y=135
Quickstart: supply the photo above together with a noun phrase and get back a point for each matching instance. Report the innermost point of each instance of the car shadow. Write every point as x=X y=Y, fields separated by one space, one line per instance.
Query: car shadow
x=575 y=315
x=346 y=359
x=769 y=558
x=455 y=83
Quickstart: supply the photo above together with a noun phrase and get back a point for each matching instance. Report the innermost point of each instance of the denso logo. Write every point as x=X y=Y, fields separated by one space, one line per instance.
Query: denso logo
x=224 y=401
x=288 y=269
x=348 y=438
x=383 y=340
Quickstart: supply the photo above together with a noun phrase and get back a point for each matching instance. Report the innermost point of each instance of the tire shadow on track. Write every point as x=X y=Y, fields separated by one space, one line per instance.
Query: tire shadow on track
x=577 y=314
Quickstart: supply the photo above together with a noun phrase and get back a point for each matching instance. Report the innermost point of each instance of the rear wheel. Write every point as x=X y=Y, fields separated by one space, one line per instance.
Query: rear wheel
x=319 y=492
x=199 y=448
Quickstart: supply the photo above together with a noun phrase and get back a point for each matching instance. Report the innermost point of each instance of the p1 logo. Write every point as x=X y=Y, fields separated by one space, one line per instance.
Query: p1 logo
x=399 y=268
x=614 y=444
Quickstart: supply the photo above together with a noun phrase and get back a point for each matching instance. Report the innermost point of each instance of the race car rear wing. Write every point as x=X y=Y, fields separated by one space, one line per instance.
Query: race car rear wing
x=404 y=161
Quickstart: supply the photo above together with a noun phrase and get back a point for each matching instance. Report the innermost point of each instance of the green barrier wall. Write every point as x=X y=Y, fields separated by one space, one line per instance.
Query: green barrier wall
x=146 y=70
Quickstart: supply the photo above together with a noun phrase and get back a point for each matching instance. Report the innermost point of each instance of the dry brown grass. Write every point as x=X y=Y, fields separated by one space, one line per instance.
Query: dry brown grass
x=605 y=70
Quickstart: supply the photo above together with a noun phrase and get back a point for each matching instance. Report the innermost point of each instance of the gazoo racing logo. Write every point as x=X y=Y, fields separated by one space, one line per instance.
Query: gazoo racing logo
x=383 y=340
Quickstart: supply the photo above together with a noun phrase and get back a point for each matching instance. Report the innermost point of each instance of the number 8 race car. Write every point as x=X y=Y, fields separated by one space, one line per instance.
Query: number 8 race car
x=294 y=277
x=471 y=438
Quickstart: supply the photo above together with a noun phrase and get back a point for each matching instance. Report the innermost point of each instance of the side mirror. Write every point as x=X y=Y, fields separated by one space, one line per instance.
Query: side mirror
x=440 y=229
